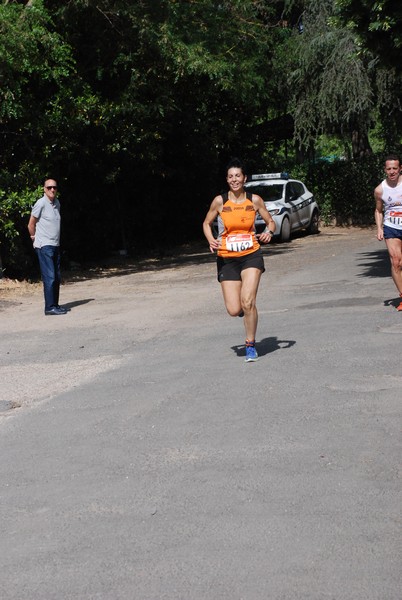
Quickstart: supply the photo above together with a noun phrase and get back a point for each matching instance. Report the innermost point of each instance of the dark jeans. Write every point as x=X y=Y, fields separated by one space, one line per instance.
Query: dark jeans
x=49 y=263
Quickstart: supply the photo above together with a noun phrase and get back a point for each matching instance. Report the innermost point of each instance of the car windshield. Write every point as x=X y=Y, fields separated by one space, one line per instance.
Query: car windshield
x=269 y=193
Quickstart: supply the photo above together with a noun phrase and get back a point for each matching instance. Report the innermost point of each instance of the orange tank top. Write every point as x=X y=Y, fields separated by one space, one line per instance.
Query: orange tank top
x=236 y=228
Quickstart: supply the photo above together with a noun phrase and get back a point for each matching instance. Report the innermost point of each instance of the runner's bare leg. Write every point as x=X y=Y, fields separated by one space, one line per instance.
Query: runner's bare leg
x=250 y=281
x=394 y=246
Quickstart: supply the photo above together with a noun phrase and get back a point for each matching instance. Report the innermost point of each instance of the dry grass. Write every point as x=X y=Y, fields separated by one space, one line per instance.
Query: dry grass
x=11 y=288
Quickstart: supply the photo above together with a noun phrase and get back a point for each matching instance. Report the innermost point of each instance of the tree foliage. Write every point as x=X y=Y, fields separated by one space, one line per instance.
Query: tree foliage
x=135 y=107
x=35 y=67
x=175 y=84
x=332 y=81
x=378 y=25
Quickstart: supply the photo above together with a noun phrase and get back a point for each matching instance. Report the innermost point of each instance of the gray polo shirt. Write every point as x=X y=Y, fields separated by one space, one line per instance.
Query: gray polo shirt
x=47 y=231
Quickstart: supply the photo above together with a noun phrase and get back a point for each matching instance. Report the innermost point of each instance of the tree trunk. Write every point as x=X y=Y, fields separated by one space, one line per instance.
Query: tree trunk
x=360 y=144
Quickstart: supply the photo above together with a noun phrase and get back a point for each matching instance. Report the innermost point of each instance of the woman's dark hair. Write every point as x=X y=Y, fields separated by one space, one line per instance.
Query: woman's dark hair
x=236 y=163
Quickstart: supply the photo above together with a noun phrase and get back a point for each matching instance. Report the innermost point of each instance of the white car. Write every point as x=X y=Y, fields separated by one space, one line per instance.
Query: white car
x=290 y=203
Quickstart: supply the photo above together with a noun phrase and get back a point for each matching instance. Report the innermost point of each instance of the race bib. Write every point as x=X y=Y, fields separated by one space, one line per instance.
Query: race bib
x=239 y=242
x=395 y=217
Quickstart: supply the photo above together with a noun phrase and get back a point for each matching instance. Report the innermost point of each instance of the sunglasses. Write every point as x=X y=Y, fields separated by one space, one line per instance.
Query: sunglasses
x=51 y=187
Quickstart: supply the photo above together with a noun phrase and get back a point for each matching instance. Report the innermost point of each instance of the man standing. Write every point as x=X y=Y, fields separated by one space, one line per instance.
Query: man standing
x=44 y=229
x=388 y=217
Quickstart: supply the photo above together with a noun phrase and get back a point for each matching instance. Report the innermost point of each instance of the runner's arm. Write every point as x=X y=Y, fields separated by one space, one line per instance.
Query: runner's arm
x=379 y=212
x=265 y=236
x=214 y=209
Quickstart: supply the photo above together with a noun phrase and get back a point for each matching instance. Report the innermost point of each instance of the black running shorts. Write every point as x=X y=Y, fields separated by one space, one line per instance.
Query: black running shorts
x=229 y=269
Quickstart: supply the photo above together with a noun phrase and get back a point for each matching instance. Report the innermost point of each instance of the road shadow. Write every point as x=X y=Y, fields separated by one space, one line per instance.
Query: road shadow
x=393 y=302
x=278 y=249
x=265 y=346
x=69 y=305
x=118 y=266
x=187 y=255
x=375 y=264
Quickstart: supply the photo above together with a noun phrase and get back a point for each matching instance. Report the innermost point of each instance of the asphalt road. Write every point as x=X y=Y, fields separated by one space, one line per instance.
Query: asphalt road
x=142 y=458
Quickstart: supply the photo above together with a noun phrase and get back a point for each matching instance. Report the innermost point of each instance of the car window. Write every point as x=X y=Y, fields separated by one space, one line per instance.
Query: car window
x=289 y=192
x=294 y=189
x=269 y=193
x=297 y=188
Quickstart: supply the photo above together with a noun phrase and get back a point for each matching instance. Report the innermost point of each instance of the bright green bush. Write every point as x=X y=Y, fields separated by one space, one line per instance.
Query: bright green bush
x=15 y=208
x=344 y=189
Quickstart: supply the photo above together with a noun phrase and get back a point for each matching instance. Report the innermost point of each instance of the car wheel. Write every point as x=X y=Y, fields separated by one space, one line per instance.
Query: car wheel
x=313 y=226
x=285 y=230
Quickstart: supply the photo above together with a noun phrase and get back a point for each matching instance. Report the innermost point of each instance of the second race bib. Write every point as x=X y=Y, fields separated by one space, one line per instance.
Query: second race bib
x=395 y=217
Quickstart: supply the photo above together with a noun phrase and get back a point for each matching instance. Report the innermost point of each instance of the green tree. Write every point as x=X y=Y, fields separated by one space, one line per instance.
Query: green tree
x=124 y=101
x=34 y=64
x=176 y=85
x=135 y=106
x=332 y=82
x=377 y=26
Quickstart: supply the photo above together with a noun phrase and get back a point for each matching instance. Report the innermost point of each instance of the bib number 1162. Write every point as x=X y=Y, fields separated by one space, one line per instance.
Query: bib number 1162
x=239 y=242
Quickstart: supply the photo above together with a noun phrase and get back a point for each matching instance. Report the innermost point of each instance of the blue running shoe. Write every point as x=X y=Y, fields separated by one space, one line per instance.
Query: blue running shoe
x=251 y=352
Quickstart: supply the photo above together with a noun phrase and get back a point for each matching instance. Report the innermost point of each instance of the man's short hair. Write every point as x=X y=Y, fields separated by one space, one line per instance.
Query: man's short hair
x=392 y=157
x=47 y=179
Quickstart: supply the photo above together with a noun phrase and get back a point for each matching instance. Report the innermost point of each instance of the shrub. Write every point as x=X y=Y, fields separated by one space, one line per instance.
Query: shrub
x=344 y=189
x=14 y=210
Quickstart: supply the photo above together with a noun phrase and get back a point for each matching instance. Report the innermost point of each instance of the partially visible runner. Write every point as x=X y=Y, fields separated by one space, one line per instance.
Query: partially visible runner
x=388 y=216
x=240 y=262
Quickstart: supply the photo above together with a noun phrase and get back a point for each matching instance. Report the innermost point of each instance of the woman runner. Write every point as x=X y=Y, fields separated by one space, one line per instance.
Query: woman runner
x=240 y=262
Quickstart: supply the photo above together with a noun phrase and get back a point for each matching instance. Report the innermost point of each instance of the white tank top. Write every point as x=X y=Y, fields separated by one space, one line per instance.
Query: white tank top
x=392 y=198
